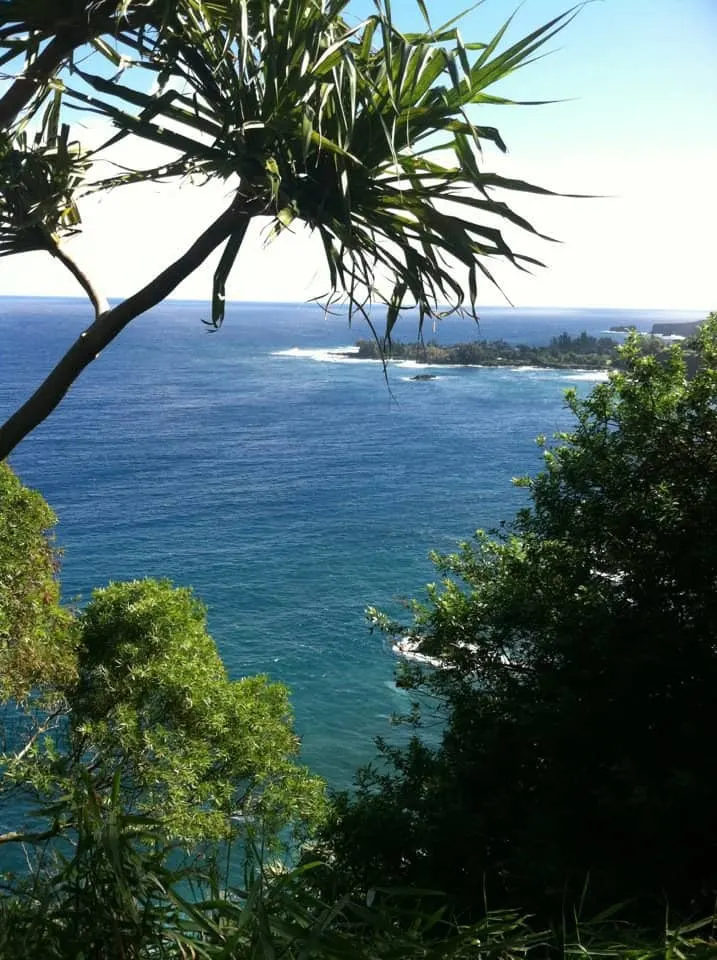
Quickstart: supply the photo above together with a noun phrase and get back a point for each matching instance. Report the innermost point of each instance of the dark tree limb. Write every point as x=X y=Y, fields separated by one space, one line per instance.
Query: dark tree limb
x=110 y=323
x=15 y=836
x=45 y=66
x=67 y=38
x=99 y=302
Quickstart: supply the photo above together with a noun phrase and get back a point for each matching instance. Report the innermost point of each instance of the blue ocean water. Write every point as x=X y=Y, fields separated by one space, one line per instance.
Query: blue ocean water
x=290 y=488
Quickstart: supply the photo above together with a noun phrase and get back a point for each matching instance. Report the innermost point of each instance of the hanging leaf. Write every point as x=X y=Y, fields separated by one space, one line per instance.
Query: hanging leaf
x=221 y=274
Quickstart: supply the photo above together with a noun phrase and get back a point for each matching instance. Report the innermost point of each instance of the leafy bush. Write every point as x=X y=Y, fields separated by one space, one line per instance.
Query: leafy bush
x=36 y=649
x=580 y=654
x=132 y=687
x=121 y=892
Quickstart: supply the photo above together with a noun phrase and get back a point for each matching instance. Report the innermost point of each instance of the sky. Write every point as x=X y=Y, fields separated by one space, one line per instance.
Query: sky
x=636 y=129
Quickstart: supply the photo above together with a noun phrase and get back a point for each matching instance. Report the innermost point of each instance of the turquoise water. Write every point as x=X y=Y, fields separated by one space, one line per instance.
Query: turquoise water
x=289 y=488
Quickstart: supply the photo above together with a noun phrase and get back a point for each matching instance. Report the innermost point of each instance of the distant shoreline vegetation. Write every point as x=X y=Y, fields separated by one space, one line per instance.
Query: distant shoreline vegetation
x=563 y=352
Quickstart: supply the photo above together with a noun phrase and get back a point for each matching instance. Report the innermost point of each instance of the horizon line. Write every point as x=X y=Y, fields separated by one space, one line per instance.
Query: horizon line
x=508 y=308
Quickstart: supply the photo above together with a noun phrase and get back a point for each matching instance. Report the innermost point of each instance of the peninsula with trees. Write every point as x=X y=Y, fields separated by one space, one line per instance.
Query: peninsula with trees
x=563 y=352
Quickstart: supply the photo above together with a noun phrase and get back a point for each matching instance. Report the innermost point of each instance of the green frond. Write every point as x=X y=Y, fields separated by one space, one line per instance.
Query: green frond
x=363 y=133
x=39 y=180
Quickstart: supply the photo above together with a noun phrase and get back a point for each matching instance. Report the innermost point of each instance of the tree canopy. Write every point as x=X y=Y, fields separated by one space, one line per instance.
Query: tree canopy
x=579 y=653
x=132 y=687
x=364 y=133
x=154 y=702
x=36 y=649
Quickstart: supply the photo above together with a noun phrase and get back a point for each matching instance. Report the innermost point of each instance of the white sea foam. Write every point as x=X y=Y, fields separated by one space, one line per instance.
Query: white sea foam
x=419 y=365
x=409 y=650
x=348 y=355
x=412 y=364
x=324 y=354
x=588 y=376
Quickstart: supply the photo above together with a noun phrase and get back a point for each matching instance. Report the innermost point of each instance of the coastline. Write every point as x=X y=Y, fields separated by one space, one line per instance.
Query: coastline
x=564 y=352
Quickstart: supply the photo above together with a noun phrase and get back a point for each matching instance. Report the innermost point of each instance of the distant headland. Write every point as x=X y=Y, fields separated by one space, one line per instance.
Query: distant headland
x=563 y=352
x=665 y=328
x=676 y=329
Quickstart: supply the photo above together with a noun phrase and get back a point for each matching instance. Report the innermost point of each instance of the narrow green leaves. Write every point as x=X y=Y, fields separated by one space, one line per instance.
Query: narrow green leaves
x=326 y=122
x=226 y=262
x=39 y=180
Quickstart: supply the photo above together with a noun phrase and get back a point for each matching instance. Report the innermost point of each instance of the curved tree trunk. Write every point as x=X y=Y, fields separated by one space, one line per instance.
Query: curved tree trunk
x=108 y=324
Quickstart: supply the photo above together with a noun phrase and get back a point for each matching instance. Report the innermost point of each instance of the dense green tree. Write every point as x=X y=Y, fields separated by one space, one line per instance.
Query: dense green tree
x=579 y=652
x=36 y=649
x=121 y=892
x=133 y=687
x=154 y=701
x=365 y=134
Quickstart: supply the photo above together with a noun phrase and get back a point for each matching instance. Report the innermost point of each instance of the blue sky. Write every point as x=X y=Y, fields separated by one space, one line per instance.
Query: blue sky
x=638 y=126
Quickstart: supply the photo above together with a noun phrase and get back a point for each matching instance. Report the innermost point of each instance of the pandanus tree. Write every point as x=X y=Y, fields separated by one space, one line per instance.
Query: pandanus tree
x=366 y=134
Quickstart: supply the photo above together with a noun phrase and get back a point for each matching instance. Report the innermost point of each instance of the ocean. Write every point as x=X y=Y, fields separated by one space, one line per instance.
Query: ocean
x=290 y=488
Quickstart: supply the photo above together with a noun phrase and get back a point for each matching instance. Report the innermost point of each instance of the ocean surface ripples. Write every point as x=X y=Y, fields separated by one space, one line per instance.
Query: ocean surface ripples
x=289 y=487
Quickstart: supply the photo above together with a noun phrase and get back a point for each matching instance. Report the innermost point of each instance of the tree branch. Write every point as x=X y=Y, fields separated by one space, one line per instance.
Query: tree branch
x=99 y=303
x=68 y=38
x=37 y=73
x=15 y=836
x=107 y=325
x=43 y=728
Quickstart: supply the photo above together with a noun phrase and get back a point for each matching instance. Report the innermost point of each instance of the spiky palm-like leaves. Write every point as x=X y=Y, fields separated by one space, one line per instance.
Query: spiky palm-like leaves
x=39 y=178
x=363 y=133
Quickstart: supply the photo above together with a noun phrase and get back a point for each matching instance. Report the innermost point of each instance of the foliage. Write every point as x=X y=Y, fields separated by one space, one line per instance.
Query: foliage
x=563 y=351
x=580 y=661
x=327 y=123
x=133 y=687
x=154 y=701
x=121 y=892
x=104 y=895
x=365 y=134
x=36 y=649
x=38 y=179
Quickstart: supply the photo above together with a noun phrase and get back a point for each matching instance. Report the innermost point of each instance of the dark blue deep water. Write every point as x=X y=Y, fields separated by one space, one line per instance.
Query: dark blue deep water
x=289 y=489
